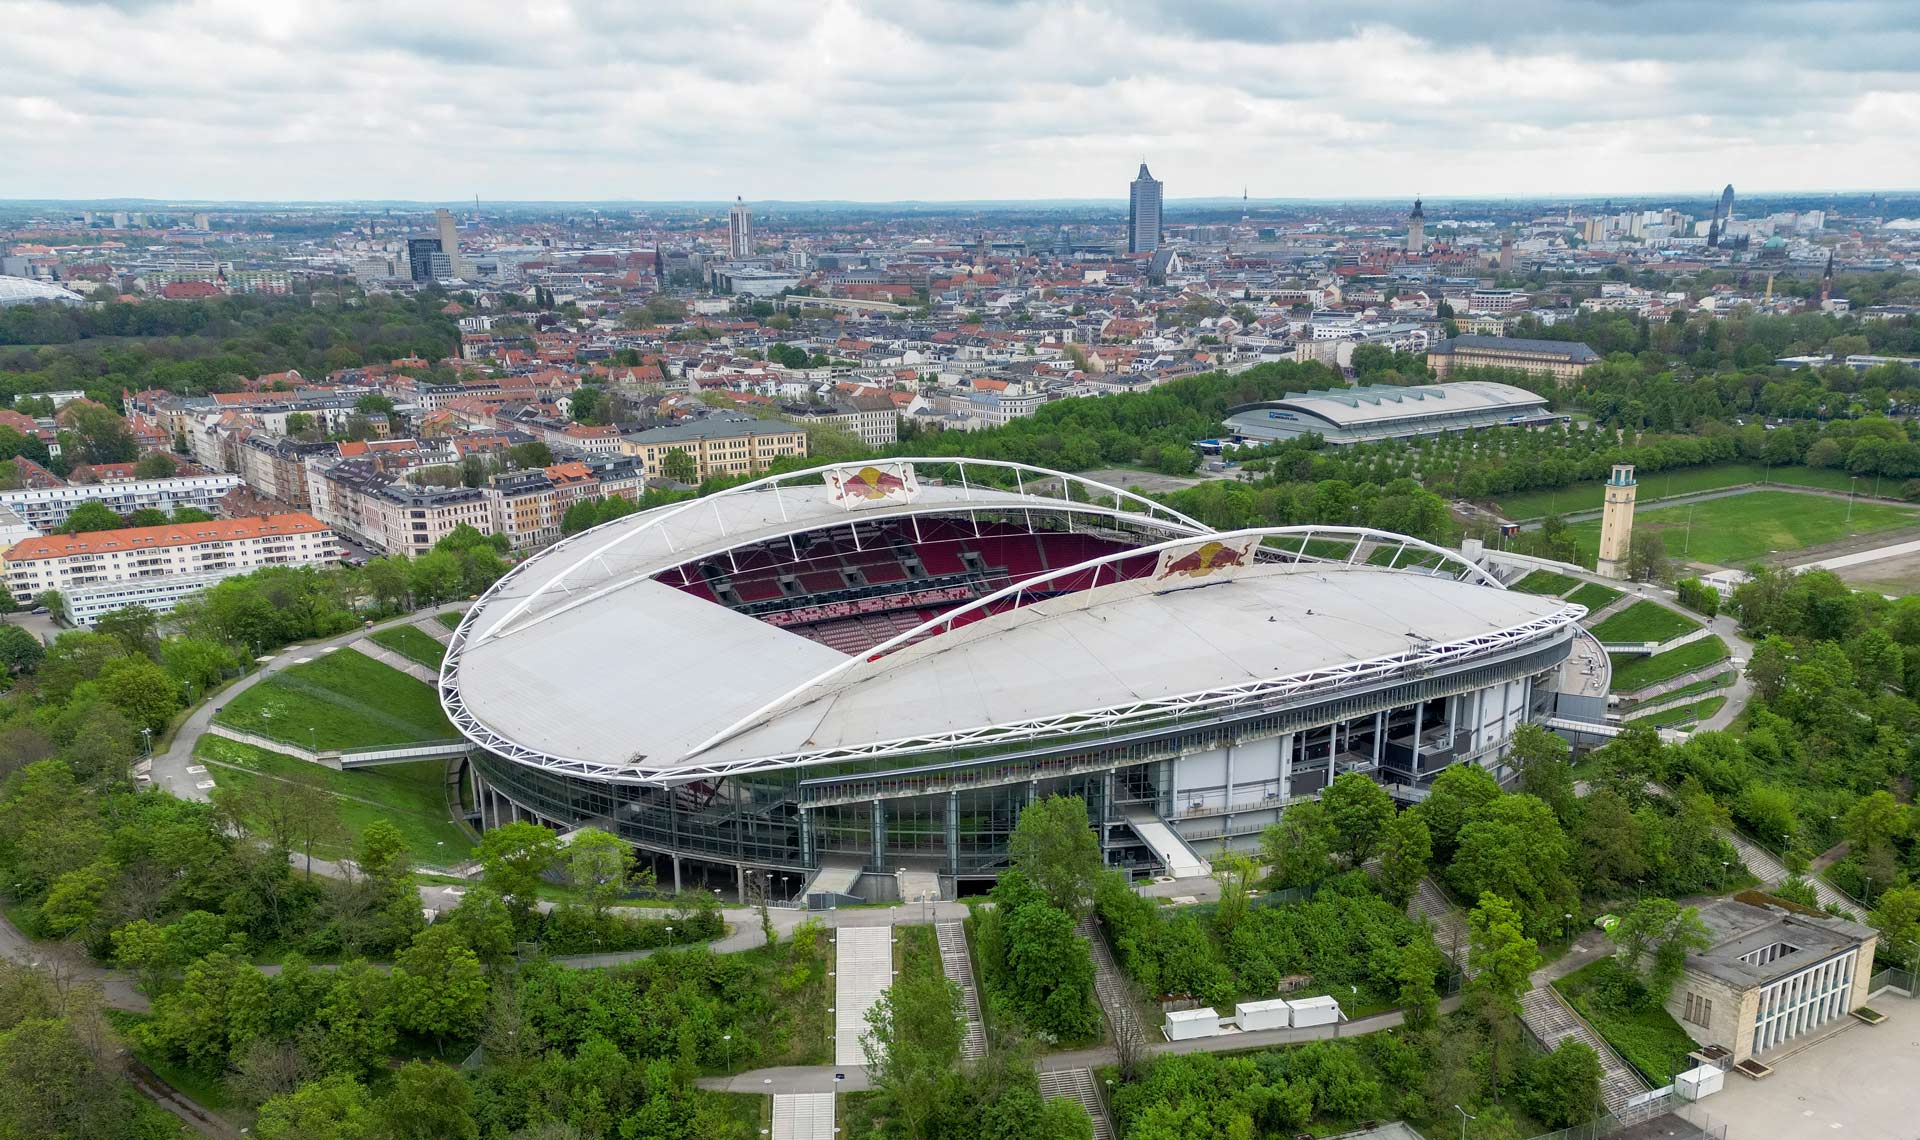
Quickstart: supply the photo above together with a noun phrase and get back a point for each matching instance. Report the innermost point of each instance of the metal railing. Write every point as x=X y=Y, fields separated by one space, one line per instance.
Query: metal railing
x=1893 y=978
x=1695 y=1123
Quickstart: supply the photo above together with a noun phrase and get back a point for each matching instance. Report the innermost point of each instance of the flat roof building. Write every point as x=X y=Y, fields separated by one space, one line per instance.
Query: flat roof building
x=1368 y=413
x=1561 y=359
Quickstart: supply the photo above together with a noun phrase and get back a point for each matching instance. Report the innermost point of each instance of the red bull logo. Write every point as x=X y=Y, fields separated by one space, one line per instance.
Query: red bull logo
x=872 y=483
x=1204 y=560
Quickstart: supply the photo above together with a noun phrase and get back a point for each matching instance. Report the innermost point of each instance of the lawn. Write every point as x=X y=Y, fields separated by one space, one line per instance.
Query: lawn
x=1630 y=673
x=1594 y=596
x=1743 y=529
x=450 y=619
x=412 y=643
x=341 y=700
x=1643 y=621
x=1665 y=484
x=412 y=797
x=1698 y=688
x=1650 y=1039
x=1681 y=714
x=1545 y=582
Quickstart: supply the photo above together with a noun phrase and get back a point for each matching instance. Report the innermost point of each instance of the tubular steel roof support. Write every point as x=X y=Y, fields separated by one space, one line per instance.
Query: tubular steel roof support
x=653 y=522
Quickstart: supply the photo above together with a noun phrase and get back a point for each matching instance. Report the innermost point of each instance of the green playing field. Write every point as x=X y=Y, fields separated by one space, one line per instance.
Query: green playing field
x=1741 y=529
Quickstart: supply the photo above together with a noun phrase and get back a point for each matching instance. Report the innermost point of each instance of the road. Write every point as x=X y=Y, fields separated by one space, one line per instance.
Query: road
x=169 y=768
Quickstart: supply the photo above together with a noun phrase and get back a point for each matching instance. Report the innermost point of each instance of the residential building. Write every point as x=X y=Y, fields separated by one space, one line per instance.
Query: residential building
x=740 y=230
x=276 y=466
x=389 y=514
x=528 y=506
x=1561 y=359
x=723 y=444
x=47 y=508
x=1145 y=195
x=872 y=419
x=1774 y=973
x=156 y=566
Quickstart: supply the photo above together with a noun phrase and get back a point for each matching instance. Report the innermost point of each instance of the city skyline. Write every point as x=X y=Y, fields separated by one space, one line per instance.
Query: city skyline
x=853 y=102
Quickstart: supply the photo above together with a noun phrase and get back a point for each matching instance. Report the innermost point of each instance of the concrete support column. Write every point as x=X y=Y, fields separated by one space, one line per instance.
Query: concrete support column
x=879 y=835
x=1379 y=736
x=1419 y=712
x=1229 y=761
x=740 y=881
x=953 y=831
x=1286 y=765
x=677 y=888
x=806 y=838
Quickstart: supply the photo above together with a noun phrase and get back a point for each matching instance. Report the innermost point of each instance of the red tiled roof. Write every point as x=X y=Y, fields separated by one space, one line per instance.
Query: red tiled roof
x=173 y=534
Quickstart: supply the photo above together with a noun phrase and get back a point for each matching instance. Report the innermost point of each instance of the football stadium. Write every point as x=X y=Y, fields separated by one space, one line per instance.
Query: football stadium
x=850 y=678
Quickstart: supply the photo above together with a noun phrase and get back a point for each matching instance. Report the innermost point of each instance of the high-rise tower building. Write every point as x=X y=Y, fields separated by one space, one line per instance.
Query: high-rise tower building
x=1417 y=230
x=1144 y=197
x=449 y=241
x=1722 y=214
x=739 y=230
x=1616 y=522
x=424 y=259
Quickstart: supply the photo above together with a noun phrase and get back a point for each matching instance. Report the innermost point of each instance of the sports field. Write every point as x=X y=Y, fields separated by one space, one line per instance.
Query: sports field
x=342 y=700
x=1665 y=484
x=1740 y=530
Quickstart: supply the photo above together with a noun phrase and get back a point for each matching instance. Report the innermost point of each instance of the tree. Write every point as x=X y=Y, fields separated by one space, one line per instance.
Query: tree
x=1541 y=759
x=88 y=517
x=155 y=465
x=1502 y=956
x=1647 y=557
x=1358 y=811
x=136 y=627
x=141 y=690
x=1299 y=849
x=335 y=1107
x=1404 y=855
x=1516 y=850
x=1458 y=795
x=389 y=581
x=1564 y=1087
x=512 y=859
x=913 y=1044
x=373 y=403
x=190 y=515
x=1897 y=917
x=20 y=651
x=97 y=433
x=1054 y=846
x=597 y=864
x=439 y=986
x=1050 y=972
x=679 y=465
x=1654 y=938
x=533 y=453
x=428 y=1102
x=1611 y=850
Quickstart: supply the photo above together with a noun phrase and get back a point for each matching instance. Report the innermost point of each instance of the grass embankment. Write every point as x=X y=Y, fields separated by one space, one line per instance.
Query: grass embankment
x=450 y=619
x=342 y=700
x=1594 y=596
x=412 y=643
x=412 y=797
x=1743 y=529
x=209 y=1093
x=1665 y=484
x=1681 y=714
x=1644 y=621
x=1631 y=673
x=1698 y=688
x=1650 y=1039
x=1545 y=582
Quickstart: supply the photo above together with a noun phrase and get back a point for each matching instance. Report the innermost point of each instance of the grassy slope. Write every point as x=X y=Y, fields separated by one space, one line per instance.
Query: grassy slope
x=1594 y=596
x=342 y=700
x=1740 y=530
x=1546 y=583
x=412 y=644
x=1682 y=714
x=1650 y=1039
x=1630 y=673
x=1644 y=621
x=1587 y=496
x=450 y=619
x=412 y=797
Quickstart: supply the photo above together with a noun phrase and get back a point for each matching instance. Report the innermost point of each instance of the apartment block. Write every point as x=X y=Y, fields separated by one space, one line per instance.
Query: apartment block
x=727 y=444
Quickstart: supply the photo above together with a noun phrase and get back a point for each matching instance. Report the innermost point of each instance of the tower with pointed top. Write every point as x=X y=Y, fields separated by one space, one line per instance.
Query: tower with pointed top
x=739 y=230
x=1144 y=197
x=1416 y=230
x=1616 y=522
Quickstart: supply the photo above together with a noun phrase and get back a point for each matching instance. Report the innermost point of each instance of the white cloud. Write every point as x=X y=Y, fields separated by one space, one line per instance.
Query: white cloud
x=796 y=99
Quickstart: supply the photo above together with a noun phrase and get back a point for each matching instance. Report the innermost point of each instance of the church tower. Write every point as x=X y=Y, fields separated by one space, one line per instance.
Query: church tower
x=1416 y=231
x=1616 y=522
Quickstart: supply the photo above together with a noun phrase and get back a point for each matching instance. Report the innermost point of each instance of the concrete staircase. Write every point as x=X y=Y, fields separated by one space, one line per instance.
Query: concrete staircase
x=368 y=648
x=1771 y=872
x=1449 y=925
x=432 y=628
x=959 y=971
x=803 y=1116
x=1109 y=984
x=1077 y=1084
x=1552 y=1021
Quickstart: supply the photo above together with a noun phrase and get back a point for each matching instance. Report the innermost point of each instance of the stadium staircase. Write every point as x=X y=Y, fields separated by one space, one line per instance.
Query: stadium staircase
x=1551 y=1020
x=863 y=969
x=803 y=1116
x=1109 y=985
x=1449 y=925
x=959 y=970
x=1077 y=1084
x=434 y=628
x=388 y=657
x=1166 y=844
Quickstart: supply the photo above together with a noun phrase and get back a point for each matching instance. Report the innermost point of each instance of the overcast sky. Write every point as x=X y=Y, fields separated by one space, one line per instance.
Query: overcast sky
x=951 y=99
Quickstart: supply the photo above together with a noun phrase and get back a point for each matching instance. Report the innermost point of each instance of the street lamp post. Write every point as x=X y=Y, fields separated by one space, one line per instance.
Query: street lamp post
x=1464 y=1117
x=728 y=1038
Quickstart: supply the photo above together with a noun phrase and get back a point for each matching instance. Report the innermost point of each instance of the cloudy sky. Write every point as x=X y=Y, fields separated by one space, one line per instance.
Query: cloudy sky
x=951 y=99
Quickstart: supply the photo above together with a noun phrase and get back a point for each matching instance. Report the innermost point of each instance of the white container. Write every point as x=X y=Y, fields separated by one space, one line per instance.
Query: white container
x=1189 y=1024
x=1272 y=1014
x=1701 y=1082
x=1322 y=1010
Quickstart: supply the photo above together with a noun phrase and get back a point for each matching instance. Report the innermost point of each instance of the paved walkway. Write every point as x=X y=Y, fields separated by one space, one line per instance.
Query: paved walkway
x=863 y=968
x=368 y=647
x=803 y=1116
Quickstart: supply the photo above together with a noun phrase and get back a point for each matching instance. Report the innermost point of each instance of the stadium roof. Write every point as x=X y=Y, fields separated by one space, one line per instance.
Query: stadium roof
x=632 y=679
x=24 y=290
x=1384 y=403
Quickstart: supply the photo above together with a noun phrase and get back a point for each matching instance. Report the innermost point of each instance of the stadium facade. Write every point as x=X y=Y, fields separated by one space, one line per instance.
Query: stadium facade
x=1370 y=413
x=833 y=676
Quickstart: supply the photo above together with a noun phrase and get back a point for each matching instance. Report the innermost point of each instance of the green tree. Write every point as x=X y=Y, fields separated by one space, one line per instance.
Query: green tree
x=1541 y=758
x=597 y=864
x=89 y=517
x=1516 y=850
x=1502 y=956
x=913 y=1045
x=155 y=465
x=141 y=690
x=136 y=627
x=1051 y=972
x=190 y=515
x=1299 y=849
x=20 y=651
x=1404 y=855
x=533 y=453
x=335 y=1107
x=1358 y=811
x=512 y=859
x=1459 y=794
x=428 y=1102
x=1654 y=938
x=389 y=581
x=1054 y=846
x=1563 y=1088
x=373 y=403
x=147 y=516
x=439 y=986
x=679 y=465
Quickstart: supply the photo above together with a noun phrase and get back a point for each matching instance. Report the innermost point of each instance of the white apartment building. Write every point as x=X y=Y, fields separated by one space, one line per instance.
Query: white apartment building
x=156 y=566
x=390 y=515
x=47 y=508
